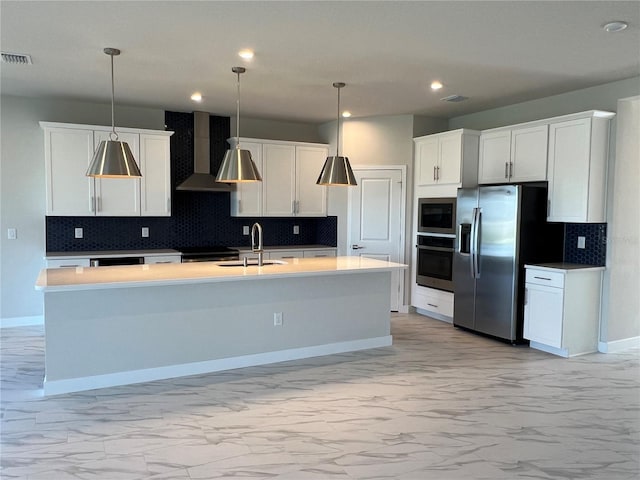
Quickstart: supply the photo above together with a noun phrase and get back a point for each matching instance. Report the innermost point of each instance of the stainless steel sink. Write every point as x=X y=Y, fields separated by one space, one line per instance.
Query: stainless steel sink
x=250 y=263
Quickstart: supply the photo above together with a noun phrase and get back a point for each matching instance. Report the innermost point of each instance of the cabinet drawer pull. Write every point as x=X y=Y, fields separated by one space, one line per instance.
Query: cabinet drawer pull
x=166 y=261
x=432 y=305
x=543 y=278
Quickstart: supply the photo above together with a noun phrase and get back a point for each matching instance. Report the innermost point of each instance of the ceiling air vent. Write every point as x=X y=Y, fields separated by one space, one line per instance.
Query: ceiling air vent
x=454 y=98
x=16 y=58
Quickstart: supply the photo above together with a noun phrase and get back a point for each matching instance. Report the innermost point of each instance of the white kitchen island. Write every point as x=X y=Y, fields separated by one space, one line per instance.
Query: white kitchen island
x=107 y=326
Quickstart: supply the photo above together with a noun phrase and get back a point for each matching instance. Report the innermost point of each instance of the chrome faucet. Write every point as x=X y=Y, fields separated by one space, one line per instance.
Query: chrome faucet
x=259 y=248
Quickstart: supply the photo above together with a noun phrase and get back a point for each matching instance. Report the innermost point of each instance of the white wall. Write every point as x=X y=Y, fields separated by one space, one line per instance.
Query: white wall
x=622 y=186
x=623 y=259
x=22 y=187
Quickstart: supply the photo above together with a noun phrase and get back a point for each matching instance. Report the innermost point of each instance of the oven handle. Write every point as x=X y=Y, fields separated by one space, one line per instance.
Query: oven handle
x=437 y=249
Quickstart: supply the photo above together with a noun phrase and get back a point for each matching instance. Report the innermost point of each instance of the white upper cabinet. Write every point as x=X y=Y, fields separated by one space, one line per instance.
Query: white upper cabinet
x=246 y=199
x=68 y=151
x=155 y=185
x=449 y=158
x=311 y=199
x=289 y=172
x=513 y=155
x=578 y=152
x=279 y=177
x=118 y=197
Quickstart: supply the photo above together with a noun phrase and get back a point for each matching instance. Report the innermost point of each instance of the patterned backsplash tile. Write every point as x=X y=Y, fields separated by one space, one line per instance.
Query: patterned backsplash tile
x=198 y=218
x=595 y=251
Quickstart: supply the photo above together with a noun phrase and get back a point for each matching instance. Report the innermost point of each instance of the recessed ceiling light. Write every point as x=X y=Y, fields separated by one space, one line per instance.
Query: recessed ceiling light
x=615 y=26
x=196 y=97
x=346 y=114
x=246 y=54
x=436 y=85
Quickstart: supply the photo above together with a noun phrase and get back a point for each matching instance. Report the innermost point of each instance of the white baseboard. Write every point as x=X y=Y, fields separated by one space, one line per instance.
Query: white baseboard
x=619 y=345
x=403 y=309
x=56 y=387
x=549 y=349
x=434 y=315
x=11 y=322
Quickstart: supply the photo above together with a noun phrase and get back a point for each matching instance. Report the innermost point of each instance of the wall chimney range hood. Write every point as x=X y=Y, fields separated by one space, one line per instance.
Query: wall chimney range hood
x=202 y=179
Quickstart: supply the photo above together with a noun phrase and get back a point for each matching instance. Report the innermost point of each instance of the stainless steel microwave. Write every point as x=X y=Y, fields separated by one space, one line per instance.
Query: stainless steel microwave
x=437 y=215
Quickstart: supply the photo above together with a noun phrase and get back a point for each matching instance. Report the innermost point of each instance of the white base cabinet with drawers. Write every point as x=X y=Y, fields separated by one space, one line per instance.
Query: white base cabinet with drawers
x=286 y=255
x=68 y=152
x=288 y=189
x=433 y=302
x=562 y=308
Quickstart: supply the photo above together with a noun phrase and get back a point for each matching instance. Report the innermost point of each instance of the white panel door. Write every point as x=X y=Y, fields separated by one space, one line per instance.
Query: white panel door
x=376 y=219
x=529 y=154
x=450 y=159
x=118 y=196
x=495 y=156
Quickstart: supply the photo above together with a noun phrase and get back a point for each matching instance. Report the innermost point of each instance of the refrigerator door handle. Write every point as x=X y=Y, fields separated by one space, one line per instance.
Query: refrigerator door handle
x=475 y=270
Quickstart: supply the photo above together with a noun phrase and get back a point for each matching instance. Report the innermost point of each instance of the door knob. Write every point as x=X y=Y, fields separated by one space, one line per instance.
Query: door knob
x=356 y=247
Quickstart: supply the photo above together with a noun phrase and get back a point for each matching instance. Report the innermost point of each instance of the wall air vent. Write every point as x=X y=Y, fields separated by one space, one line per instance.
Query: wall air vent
x=454 y=98
x=16 y=58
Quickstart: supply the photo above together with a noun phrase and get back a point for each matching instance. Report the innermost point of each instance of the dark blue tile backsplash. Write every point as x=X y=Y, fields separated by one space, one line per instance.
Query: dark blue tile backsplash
x=198 y=218
x=595 y=251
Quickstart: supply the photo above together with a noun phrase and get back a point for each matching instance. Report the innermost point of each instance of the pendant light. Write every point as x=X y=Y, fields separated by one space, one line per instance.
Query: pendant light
x=113 y=158
x=336 y=170
x=237 y=165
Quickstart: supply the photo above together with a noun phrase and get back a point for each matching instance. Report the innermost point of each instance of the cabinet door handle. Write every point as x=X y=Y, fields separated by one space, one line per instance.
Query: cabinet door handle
x=92 y=204
x=438 y=173
x=434 y=173
x=510 y=169
x=506 y=169
x=98 y=204
x=239 y=206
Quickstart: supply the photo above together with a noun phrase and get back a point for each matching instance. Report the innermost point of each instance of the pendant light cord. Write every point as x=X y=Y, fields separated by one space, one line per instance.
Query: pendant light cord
x=113 y=117
x=238 y=115
x=338 y=132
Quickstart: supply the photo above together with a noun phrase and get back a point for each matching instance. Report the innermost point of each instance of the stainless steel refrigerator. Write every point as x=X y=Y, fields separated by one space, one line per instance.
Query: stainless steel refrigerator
x=499 y=229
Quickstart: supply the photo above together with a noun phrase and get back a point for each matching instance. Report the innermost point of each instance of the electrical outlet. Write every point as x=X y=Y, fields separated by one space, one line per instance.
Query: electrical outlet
x=581 y=242
x=245 y=230
x=145 y=232
x=277 y=319
x=296 y=230
x=78 y=232
x=12 y=233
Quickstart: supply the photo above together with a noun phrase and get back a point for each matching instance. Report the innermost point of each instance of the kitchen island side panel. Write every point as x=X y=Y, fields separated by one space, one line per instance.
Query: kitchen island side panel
x=106 y=331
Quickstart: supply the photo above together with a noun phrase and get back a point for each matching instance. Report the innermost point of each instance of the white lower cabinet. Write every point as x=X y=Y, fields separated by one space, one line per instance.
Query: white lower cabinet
x=562 y=308
x=68 y=152
x=287 y=255
x=431 y=300
x=162 y=259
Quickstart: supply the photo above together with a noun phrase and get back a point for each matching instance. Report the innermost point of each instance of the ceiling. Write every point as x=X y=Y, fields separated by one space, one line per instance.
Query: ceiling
x=387 y=52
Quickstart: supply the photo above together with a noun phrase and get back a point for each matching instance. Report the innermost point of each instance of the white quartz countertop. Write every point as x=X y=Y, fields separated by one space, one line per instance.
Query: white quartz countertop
x=565 y=267
x=91 y=278
x=110 y=254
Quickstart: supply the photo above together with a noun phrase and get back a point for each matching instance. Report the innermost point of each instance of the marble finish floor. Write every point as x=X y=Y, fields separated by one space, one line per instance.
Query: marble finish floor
x=439 y=404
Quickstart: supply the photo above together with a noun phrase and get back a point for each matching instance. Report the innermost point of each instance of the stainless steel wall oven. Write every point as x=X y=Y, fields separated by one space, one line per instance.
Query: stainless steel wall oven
x=434 y=263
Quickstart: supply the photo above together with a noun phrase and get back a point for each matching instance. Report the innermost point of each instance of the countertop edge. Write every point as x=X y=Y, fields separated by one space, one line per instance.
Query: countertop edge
x=565 y=267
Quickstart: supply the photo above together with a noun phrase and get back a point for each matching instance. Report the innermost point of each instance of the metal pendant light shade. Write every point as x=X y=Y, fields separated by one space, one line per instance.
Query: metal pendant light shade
x=112 y=158
x=237 y=164
x=337 y=170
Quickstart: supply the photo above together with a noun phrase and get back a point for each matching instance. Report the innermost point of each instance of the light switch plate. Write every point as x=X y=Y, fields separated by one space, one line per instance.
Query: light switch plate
x=145 y=232
x=78 y=232
x=277 y=319
x=581 y=242
x=296 y=230
x=12 y=233
x=245 y=230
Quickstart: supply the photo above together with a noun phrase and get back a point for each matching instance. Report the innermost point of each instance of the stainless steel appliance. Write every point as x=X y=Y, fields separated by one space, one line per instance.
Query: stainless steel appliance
x=110 y=261
x=434 y=261
x=208 y=254
x=500 y=228
x=436 y=215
